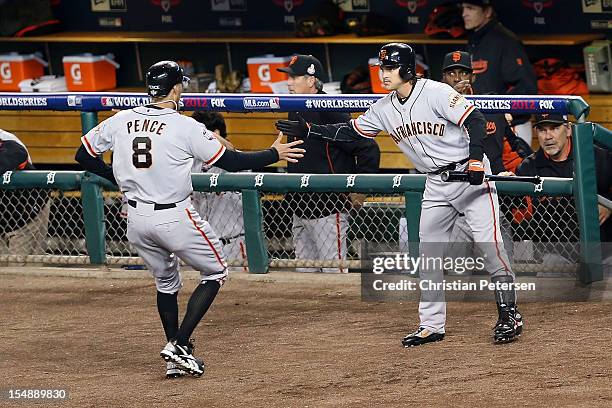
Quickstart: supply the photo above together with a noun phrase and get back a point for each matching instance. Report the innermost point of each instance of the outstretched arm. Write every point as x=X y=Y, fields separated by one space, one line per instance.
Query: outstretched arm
x=338 y=132
x=95 y=164
x=233 y=160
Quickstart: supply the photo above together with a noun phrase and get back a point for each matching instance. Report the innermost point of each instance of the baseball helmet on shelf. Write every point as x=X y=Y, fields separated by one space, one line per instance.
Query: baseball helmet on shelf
x=162 y=76
x=399 y=55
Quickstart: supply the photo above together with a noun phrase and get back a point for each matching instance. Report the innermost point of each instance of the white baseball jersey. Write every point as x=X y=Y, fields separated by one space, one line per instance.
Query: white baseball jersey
x=223 y=210
x=4 y=135
x=154 y=151
x=427 y=127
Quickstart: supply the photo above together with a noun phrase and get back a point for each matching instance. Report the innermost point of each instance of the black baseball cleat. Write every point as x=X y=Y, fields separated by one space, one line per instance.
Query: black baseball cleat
x=172 y=371
x=182 y=356
x=421 y=336
x=509 y=326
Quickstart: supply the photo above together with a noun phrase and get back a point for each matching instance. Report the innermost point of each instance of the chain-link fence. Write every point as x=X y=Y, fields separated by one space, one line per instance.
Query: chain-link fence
x=40 y=225
x=329 y=232
x=223 y=210
x=541 y=233
x=313 y=228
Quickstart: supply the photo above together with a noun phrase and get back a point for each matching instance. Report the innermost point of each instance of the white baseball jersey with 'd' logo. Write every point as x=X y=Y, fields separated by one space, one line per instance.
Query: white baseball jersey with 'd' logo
x=154 y=151
x=428 y=127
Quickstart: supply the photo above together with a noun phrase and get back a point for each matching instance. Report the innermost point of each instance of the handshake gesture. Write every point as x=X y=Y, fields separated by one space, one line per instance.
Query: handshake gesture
x=294 y=128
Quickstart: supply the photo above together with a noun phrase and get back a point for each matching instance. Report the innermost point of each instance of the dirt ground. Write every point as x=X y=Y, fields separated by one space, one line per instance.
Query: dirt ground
x=289 y=340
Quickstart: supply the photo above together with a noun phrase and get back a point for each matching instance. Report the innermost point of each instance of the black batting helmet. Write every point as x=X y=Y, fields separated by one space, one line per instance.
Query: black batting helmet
x=162 y=76
x=399 y=55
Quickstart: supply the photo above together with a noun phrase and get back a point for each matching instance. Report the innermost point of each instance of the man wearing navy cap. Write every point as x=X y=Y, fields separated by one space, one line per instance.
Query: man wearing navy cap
x=501 y=65
x=457 y=72
x=555 y=158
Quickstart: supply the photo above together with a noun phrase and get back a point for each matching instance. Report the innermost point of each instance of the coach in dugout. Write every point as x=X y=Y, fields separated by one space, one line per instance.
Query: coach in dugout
x=24 y=213
x=555 y=159
x=550 y=220
x=500 y=63
x=320 y=220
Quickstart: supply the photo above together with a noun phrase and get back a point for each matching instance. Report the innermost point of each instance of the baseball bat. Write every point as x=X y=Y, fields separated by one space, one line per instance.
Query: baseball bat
x=461 y=176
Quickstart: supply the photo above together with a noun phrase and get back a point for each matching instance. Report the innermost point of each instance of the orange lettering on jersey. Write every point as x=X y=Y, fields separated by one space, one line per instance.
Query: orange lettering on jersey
x=491 y=128
x=480 y=66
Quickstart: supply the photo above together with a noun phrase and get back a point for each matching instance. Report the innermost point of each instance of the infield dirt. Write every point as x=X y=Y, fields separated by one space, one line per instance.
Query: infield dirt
x=290 y=340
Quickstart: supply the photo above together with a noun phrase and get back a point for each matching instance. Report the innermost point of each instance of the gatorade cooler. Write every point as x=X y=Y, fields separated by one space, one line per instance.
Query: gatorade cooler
x=88 y=72
x=263 y=73
x=375 y=76
x=14 y=68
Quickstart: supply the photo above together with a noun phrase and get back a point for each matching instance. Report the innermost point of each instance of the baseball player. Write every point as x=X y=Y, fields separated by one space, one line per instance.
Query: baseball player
x=154 y=149
x=438 y=130
x=220 y=207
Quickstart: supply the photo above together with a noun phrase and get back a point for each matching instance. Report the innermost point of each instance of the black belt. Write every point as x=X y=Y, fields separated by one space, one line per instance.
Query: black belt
x=156 y=206
x=450 y=167
x=229 y=240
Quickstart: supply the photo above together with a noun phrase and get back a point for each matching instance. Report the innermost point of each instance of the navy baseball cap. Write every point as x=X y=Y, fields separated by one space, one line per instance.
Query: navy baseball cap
x=304 y=65
x=457 y=59
x=542 y=118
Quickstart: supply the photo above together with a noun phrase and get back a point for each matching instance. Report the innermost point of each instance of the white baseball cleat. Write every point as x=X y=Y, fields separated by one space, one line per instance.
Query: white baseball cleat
x=172 y=371
x=183 y=358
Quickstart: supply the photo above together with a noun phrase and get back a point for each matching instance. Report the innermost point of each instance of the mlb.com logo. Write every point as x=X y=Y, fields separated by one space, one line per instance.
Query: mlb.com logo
x=261 y=103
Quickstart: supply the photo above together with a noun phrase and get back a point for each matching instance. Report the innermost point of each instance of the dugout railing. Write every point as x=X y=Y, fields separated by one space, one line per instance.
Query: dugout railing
x=408 y=187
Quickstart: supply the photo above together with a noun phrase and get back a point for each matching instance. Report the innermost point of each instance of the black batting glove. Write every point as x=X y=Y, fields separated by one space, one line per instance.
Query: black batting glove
x=520 y=146
x=295 y=128
x=475 y=172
